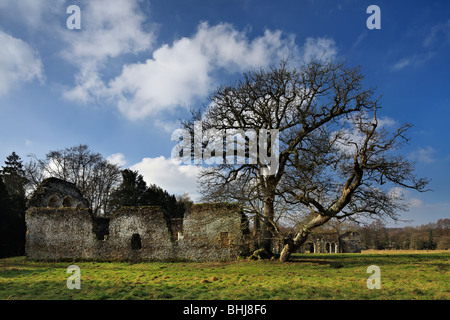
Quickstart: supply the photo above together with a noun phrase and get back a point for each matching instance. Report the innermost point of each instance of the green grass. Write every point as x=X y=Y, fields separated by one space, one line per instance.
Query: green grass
x=309 y=276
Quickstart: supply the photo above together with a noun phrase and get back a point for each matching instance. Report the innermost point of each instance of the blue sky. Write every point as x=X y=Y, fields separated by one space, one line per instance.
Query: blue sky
x=121 y=83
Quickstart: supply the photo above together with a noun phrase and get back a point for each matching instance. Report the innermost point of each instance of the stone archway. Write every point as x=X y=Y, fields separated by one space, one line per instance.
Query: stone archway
x=68 y=202
x=53 y=202
x=136 y=243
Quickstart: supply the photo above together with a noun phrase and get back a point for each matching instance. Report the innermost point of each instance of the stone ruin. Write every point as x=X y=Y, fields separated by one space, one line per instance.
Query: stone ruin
x=332 y=242
x=56 y=193
x=60 y=226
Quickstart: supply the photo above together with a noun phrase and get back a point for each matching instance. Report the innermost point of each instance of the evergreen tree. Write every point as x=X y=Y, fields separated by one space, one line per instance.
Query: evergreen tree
x=13 y=206
x=133 y=191
x=14 y=176
x=130 y=192
x=5 y=220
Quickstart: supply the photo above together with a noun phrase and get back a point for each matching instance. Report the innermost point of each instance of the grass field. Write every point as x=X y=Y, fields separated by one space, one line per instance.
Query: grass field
x=404 y=275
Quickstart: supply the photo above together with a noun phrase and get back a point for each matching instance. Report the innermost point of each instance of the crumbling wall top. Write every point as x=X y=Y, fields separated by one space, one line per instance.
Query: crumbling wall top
x=57 y=193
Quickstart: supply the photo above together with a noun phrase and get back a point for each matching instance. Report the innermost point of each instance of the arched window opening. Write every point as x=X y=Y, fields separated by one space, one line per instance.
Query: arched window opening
x=333 y=248
x=53 y=202
x=327 y=247
x=67 y=202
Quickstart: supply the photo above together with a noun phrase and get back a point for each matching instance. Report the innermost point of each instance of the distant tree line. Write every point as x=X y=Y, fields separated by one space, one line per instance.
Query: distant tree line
x=104 y=184
x=430 y=236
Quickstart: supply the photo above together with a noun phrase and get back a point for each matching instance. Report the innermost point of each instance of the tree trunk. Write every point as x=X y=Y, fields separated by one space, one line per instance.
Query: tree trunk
x=292 y=245
x=257 y=231
x=268 y=228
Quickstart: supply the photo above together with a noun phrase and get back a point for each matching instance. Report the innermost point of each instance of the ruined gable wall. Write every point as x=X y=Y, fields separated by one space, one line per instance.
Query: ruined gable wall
x=52 y=192
x=137 y=234
x=58 y=234
x=351 y=242
x=208 y=233
x=213 y=232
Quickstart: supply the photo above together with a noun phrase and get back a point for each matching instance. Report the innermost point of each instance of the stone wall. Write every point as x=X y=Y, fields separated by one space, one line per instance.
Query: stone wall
x=137 y=234
x=351 y=242
x=214 y=232
x=57 y=193
x=208 y=232
x=332 y=242
x=60 y=227
x=59 y=234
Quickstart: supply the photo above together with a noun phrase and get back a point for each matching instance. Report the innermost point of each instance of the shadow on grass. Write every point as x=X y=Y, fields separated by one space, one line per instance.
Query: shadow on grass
x=15 y=272
x=363 y=260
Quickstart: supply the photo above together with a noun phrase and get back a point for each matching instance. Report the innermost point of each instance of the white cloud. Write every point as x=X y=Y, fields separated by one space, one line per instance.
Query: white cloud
x=424 y=155
x=166 y=125
x=177 y=74
x=169 y=175
x=118 y=159
x=405 y=195
x=34 y=13
x=180 y=73
x=321 y=48
x=109 y=29
x=402 y=63
x=360 y=39
x=412 y=61
x=351 y=134
x=386 y=122
x=18 y=63
x=438 y=33
x=415 y=203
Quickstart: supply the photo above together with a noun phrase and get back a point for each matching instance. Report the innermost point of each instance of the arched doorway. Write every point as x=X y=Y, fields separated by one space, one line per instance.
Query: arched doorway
x=136 y=243
x=327 y=247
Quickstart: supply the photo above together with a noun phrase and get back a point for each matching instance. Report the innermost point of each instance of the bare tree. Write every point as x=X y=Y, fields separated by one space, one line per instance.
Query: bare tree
x=89 y=171
x=334 y=159
x=345 y=178
x=302 y=104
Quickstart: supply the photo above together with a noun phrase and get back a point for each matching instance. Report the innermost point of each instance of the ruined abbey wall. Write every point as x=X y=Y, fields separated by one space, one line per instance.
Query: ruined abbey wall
x=332 y=242
x=61 y=227
x=59 y=233
x=214 y=232
x=208 y=232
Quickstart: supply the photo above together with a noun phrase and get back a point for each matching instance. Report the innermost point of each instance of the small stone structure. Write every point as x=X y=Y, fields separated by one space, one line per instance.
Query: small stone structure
x=56 y=193
x=61 y=227
x=332 y=242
